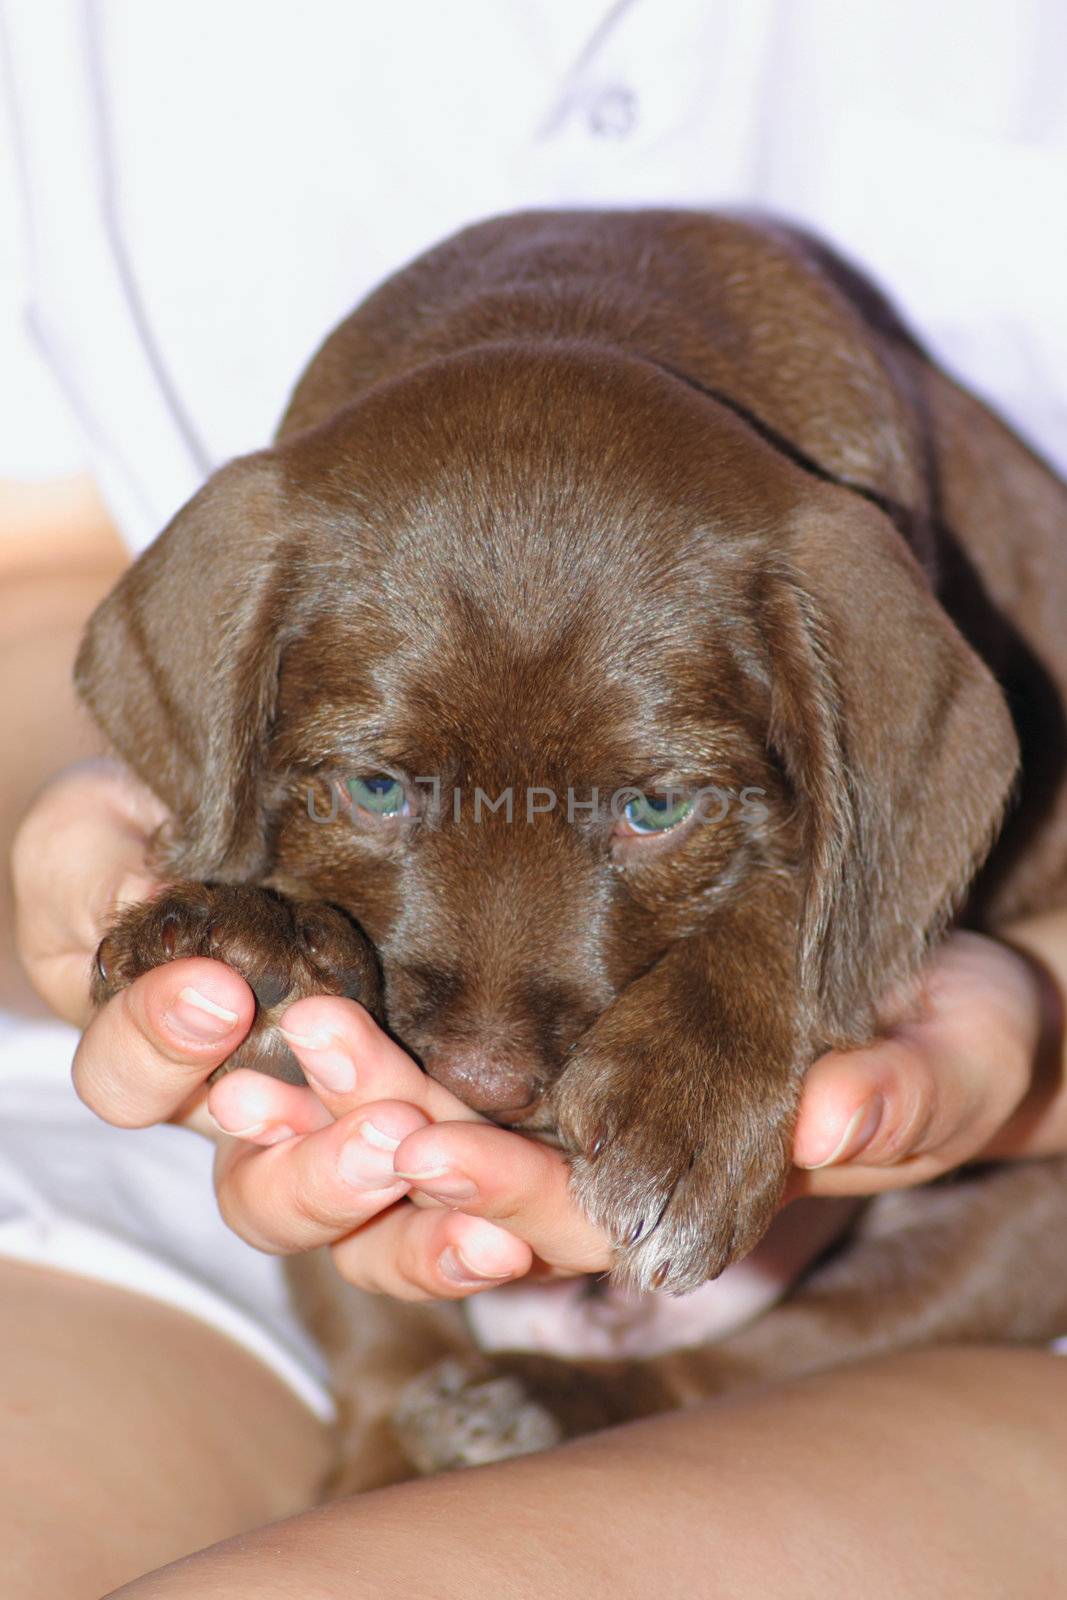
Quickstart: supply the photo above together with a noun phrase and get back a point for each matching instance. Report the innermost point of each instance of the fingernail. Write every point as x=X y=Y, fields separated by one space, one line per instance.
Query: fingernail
x=449 y=1190
x=256 y=1130
x=277 y=1135
x=377 y=1137
x=330 y=1068
x=249 y=1132
x=309 y=1041
x=366 y=1158
x=858 y=1133
x=442 y=1184
x=457 y=1269
x=197 y=1017
x=486 y=1250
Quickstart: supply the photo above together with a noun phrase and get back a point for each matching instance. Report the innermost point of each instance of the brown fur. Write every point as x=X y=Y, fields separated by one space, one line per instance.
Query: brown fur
x=603 y=499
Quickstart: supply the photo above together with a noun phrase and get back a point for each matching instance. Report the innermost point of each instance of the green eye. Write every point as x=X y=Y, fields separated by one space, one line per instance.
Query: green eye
x=379 y=794
x=656 y=813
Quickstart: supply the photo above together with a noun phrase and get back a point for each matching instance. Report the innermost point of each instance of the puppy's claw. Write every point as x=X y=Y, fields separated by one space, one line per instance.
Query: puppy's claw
x=681 y=1197
x=102 y=967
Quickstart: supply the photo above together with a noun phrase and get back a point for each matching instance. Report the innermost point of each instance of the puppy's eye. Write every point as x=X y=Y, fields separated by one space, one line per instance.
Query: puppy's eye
x=380 y=794
x=654 y=813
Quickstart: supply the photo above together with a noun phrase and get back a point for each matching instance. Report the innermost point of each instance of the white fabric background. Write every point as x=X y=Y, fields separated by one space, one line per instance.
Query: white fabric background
x=246 y=169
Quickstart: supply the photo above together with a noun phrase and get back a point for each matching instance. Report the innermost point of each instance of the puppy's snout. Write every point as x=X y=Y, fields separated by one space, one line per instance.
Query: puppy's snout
x=495 y=1084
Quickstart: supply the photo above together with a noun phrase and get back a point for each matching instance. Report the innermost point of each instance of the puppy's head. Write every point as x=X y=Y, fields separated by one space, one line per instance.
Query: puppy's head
x=534 y=659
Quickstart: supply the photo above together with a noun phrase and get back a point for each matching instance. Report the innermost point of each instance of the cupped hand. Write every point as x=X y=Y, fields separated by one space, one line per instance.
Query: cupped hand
x=348 y=1156
x=417 y=1196
x=80 y=853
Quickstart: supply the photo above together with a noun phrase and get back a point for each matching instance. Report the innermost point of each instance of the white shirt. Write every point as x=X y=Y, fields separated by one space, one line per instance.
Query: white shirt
x=202 y=190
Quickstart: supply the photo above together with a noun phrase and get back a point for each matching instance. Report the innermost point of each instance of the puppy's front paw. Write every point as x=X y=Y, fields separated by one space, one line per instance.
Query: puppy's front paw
x=680 y=1151
x=284 y=949
x=465 y=1414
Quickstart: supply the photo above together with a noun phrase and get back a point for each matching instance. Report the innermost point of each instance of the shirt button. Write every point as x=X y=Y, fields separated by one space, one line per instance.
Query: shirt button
x=613 y=114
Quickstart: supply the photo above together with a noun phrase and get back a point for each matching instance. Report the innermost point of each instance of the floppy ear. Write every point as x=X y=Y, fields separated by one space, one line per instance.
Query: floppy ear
x=897 y=743
x=179 y=666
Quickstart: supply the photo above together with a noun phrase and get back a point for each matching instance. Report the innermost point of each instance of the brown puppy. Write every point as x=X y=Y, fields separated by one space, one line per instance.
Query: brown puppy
x=670 y=626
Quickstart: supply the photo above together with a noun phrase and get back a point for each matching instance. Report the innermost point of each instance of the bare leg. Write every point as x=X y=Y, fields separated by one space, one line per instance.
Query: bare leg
x=942 y=1473
x=132 y=1434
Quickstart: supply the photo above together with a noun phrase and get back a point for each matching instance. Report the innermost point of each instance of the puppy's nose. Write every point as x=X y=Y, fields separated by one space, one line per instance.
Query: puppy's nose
x=487 y=1082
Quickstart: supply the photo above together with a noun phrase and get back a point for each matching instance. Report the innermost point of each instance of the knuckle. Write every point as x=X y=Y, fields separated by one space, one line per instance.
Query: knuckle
x=418 y=1277
x=353 y=1269
x=310 y=1207
x=29 y=849
x=416 y=1293
x=361 y=1268
x=230 y=1208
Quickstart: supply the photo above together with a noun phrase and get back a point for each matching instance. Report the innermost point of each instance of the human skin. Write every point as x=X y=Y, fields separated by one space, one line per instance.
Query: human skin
x=120 y=1446
x=939 y=1473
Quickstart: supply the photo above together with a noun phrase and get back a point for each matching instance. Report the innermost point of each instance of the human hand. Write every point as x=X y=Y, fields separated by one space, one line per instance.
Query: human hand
x=79 y=852
x=416 y=1195
x=971 y=1066
x=943 y=1084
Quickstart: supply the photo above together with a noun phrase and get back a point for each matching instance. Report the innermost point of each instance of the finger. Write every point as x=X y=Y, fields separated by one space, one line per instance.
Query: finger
x=900 y=1113
x=934 y=1093
x=430 y=1255
x=508 y=1179
x=350 y=1061
x=252 y=1106
x=313 y=1189
x=152 y=1047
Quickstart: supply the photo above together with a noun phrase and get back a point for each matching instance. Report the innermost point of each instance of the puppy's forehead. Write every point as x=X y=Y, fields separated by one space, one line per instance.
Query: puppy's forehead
x=543 y=460
x=520 y=542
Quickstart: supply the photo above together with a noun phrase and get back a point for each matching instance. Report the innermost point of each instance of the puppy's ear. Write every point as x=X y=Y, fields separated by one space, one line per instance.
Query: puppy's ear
x=898 y=746
x=179 y=666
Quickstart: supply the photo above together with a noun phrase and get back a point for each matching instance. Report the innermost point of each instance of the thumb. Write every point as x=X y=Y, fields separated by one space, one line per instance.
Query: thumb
x=881 y=1118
